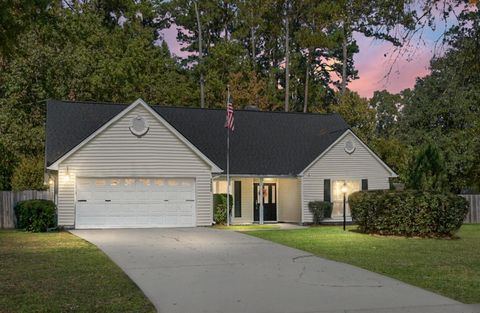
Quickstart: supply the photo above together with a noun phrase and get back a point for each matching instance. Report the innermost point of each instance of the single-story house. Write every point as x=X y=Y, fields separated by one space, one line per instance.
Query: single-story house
x=119 y=165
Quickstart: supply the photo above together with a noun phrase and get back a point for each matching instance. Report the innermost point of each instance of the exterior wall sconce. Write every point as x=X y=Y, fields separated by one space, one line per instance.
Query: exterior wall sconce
x=66 y=178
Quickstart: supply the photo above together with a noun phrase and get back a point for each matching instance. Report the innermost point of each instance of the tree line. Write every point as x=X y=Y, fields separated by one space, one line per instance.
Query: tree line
x=286 y=55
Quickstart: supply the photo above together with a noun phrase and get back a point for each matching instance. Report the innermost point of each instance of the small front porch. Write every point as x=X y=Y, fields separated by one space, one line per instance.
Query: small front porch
x=280 y=199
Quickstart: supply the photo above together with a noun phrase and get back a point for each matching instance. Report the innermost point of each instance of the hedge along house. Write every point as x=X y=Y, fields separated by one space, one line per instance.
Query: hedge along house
x=120 y=165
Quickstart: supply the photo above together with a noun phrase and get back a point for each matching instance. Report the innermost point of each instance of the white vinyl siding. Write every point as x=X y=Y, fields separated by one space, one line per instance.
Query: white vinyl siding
x=116 y=152
x=247 y=201
x=289 y=200
x=336 y=164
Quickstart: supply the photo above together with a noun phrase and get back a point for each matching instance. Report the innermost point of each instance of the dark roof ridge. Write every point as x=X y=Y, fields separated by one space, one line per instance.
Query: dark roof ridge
x=194 y=108
x=87 y=102
x=246 y=110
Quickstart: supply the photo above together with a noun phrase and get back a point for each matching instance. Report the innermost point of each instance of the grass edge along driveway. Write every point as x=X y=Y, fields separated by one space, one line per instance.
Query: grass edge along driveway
x=448 y=267
x=59 y=272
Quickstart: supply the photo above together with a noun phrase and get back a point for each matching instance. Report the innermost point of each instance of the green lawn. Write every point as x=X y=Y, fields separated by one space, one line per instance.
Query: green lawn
x=58 y=272
x=447 y=267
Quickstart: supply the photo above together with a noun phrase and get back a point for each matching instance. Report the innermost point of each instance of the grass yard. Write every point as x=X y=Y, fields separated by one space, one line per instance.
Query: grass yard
x=58 y=272
x=447 y=267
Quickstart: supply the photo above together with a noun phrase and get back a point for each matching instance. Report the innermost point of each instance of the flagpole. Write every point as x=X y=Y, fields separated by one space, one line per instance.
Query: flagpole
x=228 y=163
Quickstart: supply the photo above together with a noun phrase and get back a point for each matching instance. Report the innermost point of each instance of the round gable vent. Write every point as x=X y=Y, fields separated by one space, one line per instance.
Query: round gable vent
x=138 y=126
x=349 y=147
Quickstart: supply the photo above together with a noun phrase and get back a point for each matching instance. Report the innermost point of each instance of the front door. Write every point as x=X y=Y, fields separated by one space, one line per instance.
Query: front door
x=269 y=202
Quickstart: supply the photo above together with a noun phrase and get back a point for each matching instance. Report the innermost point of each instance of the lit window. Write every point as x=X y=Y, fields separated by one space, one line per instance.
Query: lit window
x=145 y=181
x=337 y=195
x=129 y=181
x=265 y=194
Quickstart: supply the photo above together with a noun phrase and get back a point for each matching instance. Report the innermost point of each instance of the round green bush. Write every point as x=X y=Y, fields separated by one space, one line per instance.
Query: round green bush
x=320 y=210
x=408 y=213
x=35 y=215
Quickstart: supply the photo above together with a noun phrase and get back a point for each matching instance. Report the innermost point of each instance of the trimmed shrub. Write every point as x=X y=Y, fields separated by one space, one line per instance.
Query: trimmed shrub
x=220 y=207
x=408 y=213
x=320 y=210
x=36 y=215
x=220 y=214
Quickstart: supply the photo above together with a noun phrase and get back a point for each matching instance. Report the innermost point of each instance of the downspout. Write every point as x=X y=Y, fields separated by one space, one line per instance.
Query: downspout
x=302 y=219
x=260 y=200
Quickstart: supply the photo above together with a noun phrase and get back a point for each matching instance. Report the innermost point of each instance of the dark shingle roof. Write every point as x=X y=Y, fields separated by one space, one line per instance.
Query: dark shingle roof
x=263 y=143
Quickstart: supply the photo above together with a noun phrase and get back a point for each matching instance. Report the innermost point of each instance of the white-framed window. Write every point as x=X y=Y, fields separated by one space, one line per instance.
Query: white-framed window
x=337 y=195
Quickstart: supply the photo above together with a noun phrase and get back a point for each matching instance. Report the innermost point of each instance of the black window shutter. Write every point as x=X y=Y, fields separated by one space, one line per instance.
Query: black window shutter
x=364 y=184
x=326 y=190
x=238 y=198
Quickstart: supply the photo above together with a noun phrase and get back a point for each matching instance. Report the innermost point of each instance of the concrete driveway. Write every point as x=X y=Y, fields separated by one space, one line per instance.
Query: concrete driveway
x=193 y=270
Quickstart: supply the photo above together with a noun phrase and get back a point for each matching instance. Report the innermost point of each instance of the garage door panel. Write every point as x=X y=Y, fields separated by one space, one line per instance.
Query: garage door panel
x=92 y=221
x=135 y=202
x=102 y=195
x=158 y=210
x=87 y=195
x=171 y=220
x=120 y=221
x=157 y=197
x=186 y=219
x=173 y=208
x=115 y=209
x=143 y=220
x=124 y=196
x=156 y=220
x=92 y=208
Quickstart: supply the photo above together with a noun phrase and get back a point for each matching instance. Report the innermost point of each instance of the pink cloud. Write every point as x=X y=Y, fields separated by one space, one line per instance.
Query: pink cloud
x=170 y=36
x=378 y=70
x=373 y=62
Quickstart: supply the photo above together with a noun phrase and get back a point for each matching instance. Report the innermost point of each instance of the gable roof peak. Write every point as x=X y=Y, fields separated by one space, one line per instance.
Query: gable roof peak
x=139 y=101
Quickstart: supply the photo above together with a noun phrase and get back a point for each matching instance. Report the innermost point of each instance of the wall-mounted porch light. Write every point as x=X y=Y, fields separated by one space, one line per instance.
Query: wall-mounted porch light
x=66 y=177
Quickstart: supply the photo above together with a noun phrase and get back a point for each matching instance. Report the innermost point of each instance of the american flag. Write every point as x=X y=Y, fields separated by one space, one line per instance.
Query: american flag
x=229 y=119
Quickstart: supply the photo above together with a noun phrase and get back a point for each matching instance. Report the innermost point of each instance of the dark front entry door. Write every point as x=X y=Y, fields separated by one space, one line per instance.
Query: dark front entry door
x=269 y=202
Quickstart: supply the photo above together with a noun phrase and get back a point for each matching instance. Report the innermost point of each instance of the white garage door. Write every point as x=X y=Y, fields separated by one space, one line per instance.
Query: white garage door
x=134 y=202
